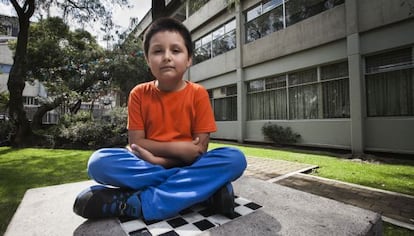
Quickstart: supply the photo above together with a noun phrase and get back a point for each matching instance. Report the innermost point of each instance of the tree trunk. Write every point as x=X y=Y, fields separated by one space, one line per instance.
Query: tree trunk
x=42 y=110
x=16 y=82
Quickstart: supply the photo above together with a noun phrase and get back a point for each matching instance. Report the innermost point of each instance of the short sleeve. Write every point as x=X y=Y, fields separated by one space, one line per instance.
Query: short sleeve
x=135 y=121
x=204 y=118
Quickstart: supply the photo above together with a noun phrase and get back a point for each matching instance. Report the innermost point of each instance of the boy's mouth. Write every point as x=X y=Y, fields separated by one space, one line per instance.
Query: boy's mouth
x=167 y=67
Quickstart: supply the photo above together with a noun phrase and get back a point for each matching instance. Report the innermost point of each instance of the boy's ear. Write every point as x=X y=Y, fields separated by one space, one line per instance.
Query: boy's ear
x=190 y=61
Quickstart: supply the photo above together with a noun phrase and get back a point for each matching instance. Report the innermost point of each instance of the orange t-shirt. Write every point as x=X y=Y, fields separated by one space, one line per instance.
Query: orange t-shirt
x=170 y=116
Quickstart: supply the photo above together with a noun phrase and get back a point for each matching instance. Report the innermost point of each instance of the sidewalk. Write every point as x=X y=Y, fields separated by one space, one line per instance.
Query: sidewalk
x=395 y=208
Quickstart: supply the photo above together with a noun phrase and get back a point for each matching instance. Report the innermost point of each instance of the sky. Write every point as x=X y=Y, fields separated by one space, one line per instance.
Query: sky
x=121 y=16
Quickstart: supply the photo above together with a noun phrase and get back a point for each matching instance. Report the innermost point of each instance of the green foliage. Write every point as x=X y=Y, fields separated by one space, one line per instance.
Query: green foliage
x=279 y=134
x=4 y=101
x=127 y=67
x=6 y=128
x=84 y=132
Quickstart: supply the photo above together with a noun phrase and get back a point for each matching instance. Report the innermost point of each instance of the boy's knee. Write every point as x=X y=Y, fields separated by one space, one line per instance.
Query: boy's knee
x=99 y=162
x=237 y=159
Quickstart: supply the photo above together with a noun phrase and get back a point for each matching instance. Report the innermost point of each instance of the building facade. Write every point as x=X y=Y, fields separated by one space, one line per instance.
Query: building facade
x=338 y=72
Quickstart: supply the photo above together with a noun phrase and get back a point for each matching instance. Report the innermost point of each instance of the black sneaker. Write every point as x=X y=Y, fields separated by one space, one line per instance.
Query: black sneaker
x=101 y=202
x=222 y=201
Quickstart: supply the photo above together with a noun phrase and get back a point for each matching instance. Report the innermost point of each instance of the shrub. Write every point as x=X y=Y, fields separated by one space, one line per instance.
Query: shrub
x=279 y=134
x=6 y=128
x=82 y=131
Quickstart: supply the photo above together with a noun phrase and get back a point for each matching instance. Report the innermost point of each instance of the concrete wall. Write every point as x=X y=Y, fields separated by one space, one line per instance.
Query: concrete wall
x=390 y=134
x=335 y=51
x=226 y=130
x=216 y=66
x=377 y=13
x=322 y=133
x=208 y=11
x=393 y=36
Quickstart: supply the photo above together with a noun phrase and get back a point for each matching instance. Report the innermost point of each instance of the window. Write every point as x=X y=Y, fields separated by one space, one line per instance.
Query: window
x=216 y=42
x=264 y=19
x=31 y=101
x=390 y=83
x=266 y=99
x=224 y=103
x=335 y=90
x=273 y=15
x=301 y=95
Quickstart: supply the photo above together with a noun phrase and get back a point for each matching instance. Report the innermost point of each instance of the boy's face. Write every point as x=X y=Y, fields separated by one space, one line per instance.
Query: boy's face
x=168 y=59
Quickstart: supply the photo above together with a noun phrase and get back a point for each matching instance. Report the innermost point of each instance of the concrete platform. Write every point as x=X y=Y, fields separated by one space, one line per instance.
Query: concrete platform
x=286 y=211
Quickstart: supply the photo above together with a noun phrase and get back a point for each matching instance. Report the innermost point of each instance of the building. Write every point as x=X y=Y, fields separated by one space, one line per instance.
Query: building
x=338 y=72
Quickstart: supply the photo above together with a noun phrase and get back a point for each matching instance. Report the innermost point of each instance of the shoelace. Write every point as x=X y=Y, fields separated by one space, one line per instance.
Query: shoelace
x=117 y=207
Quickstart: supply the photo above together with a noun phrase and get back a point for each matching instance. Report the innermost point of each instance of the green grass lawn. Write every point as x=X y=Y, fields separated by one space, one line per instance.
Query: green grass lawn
x=22 y=169
x=392 y=177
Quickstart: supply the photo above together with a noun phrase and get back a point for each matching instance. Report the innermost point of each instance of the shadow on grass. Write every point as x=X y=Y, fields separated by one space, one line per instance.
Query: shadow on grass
x=6 y=150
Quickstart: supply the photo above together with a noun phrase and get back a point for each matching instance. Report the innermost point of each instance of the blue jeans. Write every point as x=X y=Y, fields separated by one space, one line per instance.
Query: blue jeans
x=165 y=192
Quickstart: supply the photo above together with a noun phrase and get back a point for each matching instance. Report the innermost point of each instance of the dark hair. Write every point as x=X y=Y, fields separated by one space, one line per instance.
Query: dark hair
x=168 y=24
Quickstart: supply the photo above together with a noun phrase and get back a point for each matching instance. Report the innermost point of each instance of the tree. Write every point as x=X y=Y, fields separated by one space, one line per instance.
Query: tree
x=128 y=67
x=66 y=62
x=82 y=11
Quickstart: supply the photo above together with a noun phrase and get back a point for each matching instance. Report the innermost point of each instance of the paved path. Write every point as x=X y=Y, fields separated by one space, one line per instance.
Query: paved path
x=395 y=208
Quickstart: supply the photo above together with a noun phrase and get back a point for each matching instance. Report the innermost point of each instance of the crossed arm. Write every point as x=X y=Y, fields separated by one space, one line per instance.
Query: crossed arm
x=168 y=154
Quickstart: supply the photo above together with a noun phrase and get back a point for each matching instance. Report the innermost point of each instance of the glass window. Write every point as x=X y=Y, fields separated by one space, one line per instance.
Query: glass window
x=334 y=71
x=230 y=26
x=197 y=44
x=302 y=77
x=216 y=42
x=224 y=102
x=206 y=39
x=268 y=16
x=390 y=84
x=218 y=33
x=267 y=22
x=389 y=61
x=271 y=4
x=257 y=85
x=303 y=102
x=254 y=13
x=309 y=97
x=277 y=82
x=335 y=95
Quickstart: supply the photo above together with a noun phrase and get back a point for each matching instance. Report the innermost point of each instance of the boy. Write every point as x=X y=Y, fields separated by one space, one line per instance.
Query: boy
x=167 y=167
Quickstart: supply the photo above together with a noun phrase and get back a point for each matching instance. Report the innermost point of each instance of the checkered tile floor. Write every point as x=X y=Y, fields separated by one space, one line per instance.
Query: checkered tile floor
x=191 y=221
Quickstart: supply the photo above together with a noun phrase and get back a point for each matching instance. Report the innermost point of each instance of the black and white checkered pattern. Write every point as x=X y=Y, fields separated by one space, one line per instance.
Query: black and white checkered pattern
x=191 y=221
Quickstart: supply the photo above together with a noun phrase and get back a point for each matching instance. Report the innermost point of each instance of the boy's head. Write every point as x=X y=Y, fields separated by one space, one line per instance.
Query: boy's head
x=168 y=24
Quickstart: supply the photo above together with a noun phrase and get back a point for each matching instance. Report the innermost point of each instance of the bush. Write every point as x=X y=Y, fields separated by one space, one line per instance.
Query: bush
x=84 y=132
x=279 y=134
x=6 y=128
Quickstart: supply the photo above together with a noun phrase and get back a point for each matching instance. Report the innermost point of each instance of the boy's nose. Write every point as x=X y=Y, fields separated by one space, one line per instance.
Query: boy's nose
x=167 y=55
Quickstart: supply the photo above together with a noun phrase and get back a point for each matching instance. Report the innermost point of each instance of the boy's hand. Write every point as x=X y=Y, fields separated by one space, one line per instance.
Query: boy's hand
x=143 y=153
x=188 y=151
x=146 y=155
